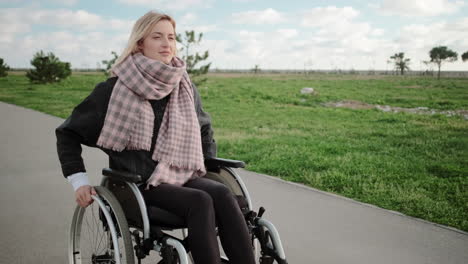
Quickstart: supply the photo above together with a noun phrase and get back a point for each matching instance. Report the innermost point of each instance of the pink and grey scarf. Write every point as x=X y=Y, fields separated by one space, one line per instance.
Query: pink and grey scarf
x=129 y=118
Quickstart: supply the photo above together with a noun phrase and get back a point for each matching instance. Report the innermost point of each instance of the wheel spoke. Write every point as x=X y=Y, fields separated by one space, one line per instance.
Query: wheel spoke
x=101 y=236
x=88 y=226
x=95 y=225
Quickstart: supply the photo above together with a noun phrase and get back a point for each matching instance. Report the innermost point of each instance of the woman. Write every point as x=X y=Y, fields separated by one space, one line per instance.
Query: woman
x=148 y=118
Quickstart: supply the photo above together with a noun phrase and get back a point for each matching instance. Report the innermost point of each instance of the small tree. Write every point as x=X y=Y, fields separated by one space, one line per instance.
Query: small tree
x=429 y=69
x=465 y=56
x=193 y=59
x=109 y=63
x=442 y=54
x=256 y=69
x=401 y=63
x=48 y=68
x=3 y=68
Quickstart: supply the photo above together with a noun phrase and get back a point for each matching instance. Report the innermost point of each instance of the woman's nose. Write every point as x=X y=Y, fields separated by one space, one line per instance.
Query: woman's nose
x=165 y=42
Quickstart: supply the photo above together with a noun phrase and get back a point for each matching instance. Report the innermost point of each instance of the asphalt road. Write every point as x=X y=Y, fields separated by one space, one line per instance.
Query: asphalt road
x=316 y=227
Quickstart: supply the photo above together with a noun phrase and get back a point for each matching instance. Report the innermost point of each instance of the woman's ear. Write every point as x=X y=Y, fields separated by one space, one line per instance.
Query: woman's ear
x=140 y=44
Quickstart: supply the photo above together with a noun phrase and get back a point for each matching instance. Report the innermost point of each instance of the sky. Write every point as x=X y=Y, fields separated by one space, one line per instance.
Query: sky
x=239 y=34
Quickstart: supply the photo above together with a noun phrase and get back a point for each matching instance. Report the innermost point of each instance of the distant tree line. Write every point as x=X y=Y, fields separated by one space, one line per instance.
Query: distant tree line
x=438 y=56
x=48 y=68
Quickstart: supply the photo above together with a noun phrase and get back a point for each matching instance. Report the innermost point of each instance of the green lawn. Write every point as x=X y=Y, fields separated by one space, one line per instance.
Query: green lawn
x=414 y=164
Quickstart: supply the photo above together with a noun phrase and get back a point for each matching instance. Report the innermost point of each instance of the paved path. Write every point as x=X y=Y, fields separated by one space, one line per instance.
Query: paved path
x=316 y=227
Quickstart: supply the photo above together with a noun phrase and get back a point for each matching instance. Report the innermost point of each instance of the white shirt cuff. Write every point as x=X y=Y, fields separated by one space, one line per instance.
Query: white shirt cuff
x=78 y=179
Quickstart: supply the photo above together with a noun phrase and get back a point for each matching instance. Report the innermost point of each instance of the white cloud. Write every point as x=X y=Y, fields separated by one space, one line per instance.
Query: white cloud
x=14 y=20
x=188 y=18
x=338 y=29
x=6 y=39
x=423 y=37
x=204 y=28
x=287 y=32
x=170 y=4
x=69 y=2
x=189 y=22
x=73 y=35
x=267 y=16
x=11 y=25
x=252 y=44
x=335 y=40
x=377 y=32
x=63 y=2
x=67 y=19
x=420 y=7
x=77 y=36
x=82 y=49
x=14 y=28
x=197 y=28
x=323 y=16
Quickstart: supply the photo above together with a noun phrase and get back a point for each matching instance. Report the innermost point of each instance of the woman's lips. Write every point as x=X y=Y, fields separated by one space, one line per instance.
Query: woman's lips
x=165 y=53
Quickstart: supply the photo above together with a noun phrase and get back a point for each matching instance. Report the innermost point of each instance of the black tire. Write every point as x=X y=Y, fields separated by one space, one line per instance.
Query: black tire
x=90 y=238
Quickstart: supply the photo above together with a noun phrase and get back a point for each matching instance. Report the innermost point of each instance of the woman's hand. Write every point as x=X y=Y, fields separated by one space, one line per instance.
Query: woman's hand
x=83 y=195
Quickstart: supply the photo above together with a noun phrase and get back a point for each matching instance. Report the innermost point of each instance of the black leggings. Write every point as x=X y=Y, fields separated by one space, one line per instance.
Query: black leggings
x=203 y=203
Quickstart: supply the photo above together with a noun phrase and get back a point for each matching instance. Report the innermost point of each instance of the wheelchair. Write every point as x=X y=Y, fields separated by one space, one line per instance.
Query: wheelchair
x=119 y=228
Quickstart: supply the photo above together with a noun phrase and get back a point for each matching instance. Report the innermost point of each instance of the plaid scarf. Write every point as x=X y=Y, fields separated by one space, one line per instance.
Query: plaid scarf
x=130 y=119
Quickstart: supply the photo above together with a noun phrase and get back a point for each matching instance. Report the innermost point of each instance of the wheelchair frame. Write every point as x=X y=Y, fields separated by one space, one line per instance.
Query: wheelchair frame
x=260 y=229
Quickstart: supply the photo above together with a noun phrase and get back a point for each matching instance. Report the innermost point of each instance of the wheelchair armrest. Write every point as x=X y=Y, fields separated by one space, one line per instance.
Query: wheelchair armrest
x=121 y=175
x=213 y=164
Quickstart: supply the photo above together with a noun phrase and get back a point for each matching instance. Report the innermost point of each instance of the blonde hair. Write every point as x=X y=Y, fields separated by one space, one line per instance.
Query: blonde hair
x=140 y=31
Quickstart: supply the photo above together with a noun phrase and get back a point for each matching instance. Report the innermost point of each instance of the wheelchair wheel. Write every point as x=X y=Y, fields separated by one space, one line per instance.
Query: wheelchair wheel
x=271 y=250
x=99 y=233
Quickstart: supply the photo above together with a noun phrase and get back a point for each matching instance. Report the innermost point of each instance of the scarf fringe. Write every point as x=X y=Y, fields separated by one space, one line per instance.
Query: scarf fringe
x=138 y=146
x=113 y=147
x=182 y=164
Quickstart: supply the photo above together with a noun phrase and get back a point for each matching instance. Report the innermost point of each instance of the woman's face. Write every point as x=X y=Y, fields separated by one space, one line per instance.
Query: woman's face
x=160 y=44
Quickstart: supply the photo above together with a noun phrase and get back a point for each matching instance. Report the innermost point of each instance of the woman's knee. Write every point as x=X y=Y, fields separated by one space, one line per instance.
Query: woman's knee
x=223 y=197
x=221 y=191
x=202 y=200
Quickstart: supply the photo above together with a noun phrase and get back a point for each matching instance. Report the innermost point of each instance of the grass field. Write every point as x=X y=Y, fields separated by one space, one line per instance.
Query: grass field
x=414 y=164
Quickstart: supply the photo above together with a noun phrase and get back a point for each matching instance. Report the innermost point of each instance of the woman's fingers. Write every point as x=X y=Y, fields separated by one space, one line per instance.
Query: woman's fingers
x=93 y=191
x=83 y=195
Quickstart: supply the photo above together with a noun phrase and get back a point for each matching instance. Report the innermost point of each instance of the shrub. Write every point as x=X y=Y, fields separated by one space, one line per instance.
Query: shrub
x=3 y=68
x=109 y=63
x=48 y=68
x=195 y=71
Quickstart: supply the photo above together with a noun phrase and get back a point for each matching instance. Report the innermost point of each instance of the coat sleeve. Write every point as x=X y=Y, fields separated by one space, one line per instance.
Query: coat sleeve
x=83 y=126
x=208 y=142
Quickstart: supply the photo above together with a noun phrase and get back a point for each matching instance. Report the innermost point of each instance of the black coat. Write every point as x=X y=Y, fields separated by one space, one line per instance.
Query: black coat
x=87 y=119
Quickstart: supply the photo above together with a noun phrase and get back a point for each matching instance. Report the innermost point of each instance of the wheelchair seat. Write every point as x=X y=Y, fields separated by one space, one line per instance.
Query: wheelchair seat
x=158 y=216
x=168 y=220
x=165 y=219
